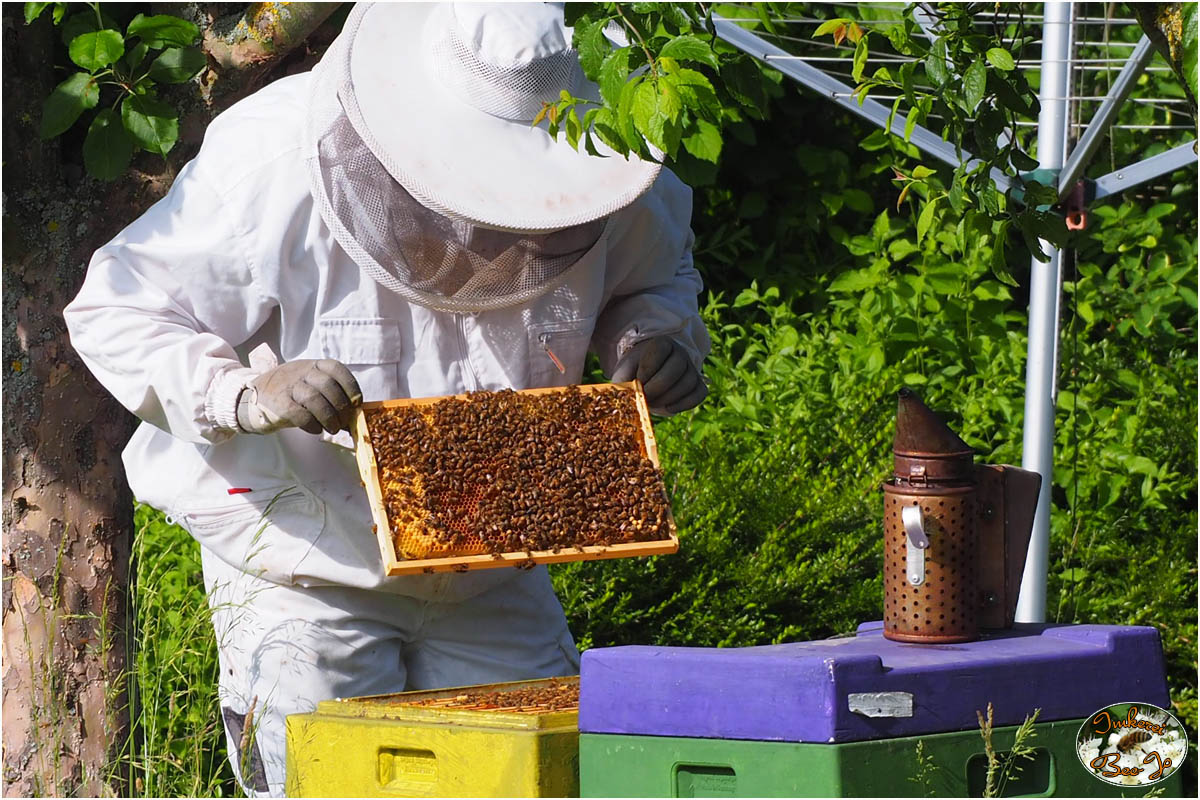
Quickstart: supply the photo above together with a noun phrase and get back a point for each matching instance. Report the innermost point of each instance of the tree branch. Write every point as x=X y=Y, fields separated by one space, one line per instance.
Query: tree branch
x=265 y=33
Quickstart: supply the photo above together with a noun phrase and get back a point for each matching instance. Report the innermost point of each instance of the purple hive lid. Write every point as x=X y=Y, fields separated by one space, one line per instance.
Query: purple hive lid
x=866 y=686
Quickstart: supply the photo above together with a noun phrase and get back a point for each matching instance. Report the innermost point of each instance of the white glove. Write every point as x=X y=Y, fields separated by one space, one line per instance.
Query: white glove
x=670 y=381
x=308 y=394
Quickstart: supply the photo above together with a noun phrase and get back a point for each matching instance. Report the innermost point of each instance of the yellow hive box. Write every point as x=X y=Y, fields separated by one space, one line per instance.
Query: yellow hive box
x=379 y=747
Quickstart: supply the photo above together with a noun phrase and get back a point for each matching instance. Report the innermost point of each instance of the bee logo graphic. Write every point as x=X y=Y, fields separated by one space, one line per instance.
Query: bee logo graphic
x=1131 y=744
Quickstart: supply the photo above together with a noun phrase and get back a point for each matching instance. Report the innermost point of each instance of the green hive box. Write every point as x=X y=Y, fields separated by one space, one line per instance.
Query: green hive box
x=955 y=765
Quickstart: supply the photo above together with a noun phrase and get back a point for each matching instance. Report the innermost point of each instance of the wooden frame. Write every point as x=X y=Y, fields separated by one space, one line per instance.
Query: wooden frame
x=394 y=565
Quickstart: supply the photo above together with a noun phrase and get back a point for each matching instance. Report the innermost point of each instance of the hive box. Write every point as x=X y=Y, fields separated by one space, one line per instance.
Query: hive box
x=867 y=687
x=373 y=747
x=950 y=765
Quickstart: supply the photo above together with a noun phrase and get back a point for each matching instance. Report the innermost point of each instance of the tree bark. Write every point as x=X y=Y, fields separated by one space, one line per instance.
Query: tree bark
x=1172 y=29
x=68 y=513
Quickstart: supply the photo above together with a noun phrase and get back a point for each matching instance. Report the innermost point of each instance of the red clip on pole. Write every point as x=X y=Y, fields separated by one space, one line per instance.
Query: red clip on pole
x=237 y=490
x=1077 y=215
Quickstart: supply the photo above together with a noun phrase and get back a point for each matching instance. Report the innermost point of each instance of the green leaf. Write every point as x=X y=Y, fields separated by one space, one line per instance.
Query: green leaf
x=935 y=64
x=107 y=148
x=34 y=10
x=573 y=12
x=926 y=219
x=830 y=25
x=96 y=50
x=879 y=229
x=1001 y=59
x=704 y=142
x=177 y=64
x=624 y=121
x=860 y=59
x=574 y=129
x=592 y=47
x=858 y=200
x=1038 y=194
x=991 y=290
x=78 y=24
x=133 y=58
x=974 y=84
x=742 y=79
x=690 y=48
x=605 y=126
x=614 y=71
x=1022 y=160
x=645 y=102
x=855 y=280
x=656 y=110
x=163 y=30
x=875 y=360
x=68 y=100
x=697 y=93
x=154 y=125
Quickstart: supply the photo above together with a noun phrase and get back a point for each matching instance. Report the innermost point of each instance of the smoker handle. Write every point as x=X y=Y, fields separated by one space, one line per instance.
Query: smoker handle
x=916 y=543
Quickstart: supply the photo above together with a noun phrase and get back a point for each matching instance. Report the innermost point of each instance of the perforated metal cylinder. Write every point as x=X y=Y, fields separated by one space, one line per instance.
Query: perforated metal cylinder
x=944 y=608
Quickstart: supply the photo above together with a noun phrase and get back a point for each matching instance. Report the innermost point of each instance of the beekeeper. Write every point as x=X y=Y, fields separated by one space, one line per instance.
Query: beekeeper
x=388 y=225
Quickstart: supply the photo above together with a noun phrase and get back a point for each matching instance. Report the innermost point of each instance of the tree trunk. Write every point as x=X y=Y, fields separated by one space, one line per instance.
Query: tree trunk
x=68 y=512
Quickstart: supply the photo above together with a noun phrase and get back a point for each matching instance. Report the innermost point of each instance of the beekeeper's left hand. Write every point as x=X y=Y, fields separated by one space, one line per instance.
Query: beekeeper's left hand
x=669 y=379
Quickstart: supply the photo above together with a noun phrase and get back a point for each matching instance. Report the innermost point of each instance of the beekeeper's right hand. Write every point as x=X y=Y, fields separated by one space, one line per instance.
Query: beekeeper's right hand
x=309 y=394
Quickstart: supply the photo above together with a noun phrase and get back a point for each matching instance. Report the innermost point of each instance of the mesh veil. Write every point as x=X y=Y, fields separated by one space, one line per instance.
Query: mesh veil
x=426 y=257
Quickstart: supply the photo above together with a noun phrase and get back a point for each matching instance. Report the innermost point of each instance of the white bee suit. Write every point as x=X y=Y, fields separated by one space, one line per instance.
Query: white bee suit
x=235 y=257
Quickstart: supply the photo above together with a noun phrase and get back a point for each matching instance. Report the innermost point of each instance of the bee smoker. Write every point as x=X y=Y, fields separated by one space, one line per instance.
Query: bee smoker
x=955 y=534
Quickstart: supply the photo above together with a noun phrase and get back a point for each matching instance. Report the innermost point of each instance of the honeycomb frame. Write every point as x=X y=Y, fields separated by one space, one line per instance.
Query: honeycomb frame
x=395 y=564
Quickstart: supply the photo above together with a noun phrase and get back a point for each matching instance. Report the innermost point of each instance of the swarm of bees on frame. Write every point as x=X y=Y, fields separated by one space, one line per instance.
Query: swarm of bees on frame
x=505 y=472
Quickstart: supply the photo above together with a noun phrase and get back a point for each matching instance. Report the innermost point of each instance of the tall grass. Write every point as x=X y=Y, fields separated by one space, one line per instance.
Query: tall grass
x=177 y=743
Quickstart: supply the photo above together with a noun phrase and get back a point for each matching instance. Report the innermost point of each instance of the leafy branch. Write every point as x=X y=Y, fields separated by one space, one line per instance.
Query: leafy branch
x=968 y=79
x=668 y=93
x=128 y=68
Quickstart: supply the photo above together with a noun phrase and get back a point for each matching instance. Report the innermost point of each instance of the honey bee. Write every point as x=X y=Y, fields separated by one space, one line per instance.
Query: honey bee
x=1132 y=740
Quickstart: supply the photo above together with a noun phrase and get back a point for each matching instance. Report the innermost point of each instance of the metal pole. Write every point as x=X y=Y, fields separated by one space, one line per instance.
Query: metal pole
x=1044 y=292
x=1107 y=112
x=1147 y=170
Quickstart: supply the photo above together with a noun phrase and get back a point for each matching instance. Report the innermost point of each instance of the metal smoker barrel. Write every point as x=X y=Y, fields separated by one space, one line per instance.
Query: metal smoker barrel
x=931 y=533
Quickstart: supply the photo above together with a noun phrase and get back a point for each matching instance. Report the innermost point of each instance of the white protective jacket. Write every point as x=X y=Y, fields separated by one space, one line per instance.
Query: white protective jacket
x=237 y=256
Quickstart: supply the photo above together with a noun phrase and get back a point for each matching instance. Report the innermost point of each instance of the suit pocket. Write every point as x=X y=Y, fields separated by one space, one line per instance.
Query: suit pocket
x=370 y=347
x=266 y=533
x=557 y=352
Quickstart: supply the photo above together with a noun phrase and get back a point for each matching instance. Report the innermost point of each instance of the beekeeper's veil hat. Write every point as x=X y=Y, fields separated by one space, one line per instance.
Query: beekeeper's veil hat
x=425 y=164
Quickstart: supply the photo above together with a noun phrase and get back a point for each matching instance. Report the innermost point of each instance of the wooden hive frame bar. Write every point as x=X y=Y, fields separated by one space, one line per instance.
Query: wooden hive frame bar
x=368 y=469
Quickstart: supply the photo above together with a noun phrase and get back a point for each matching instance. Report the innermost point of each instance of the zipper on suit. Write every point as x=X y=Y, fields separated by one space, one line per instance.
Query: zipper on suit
x=468 y=371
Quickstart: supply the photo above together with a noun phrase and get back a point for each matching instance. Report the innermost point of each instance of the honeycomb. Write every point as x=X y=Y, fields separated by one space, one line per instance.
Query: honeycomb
x=511 y=472
x=557 y=697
